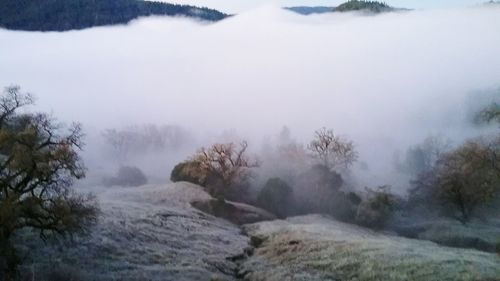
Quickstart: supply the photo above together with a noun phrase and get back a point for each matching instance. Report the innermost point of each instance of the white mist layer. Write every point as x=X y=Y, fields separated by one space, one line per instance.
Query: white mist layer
x=238 y=6
x=385 y=81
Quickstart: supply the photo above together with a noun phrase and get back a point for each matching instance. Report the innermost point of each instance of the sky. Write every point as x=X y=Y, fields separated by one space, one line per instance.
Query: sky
x=236 y=6
x=385 y=82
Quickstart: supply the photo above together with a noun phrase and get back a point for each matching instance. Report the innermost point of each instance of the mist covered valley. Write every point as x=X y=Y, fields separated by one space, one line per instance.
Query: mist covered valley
x=329 y=126
x=386 y=82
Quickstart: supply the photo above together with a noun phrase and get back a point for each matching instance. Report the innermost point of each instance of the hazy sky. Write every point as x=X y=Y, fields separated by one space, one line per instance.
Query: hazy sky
x=233 y=6
x=385 y=82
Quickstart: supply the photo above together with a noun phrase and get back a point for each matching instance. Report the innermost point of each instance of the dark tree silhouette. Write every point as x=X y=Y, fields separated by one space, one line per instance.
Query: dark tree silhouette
x=38 y=164
x=61 y=15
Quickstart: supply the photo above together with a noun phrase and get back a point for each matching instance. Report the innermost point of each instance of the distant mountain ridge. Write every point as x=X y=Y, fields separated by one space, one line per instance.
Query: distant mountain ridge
x=63 y=15
x=308 y=10
x=371 y=6
x=493 y=3
x=349 y=6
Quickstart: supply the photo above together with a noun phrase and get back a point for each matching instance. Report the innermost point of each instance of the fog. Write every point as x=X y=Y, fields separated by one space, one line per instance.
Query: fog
x=238 y=6
x=385 y=81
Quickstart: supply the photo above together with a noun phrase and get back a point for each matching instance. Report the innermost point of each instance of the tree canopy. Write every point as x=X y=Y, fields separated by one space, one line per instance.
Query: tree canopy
x=356 y=5
x=464 y=180
x=38 y=163
x=226 y=164
x=331 y=150
x=61 y=15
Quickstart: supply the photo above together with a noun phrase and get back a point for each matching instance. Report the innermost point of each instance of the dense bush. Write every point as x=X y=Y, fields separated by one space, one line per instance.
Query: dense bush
x=277 y=197
x=315 y=189
x=127 y=176
x=377 y=209
x=344 y=206
x=319 y=190
x=321 y=175
x=189 y=171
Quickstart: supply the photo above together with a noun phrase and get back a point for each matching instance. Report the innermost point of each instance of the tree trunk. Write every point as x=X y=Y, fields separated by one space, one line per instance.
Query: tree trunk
x=9 y=260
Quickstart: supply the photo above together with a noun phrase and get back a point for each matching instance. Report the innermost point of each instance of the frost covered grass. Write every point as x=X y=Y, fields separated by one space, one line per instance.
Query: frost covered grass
x=318 y=248
x=477 y=234
x=145 y=233
x=153 y=233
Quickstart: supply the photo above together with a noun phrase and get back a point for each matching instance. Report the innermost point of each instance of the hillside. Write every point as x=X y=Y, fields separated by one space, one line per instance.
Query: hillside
x=350 y=6
x=371 y=6
x=308 y=10
x=153 y=233
x=145 y=233
x=62 y=15
x=318 y=248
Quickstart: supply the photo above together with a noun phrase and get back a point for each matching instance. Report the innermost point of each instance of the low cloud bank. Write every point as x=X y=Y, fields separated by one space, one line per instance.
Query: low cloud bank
x=385 y=81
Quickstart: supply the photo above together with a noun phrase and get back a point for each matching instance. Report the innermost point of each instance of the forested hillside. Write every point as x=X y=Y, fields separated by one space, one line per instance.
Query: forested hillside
x=307 y=10
x=372 y=6
x=61 y=15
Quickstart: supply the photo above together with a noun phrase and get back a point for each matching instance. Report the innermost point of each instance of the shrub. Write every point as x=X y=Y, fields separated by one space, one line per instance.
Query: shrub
x=127 y=176
x=354 y=198
x=189 y=171
x=344 y=206
x=316 y=189
x=277 y=197
x=377 y=209
x=321 y=175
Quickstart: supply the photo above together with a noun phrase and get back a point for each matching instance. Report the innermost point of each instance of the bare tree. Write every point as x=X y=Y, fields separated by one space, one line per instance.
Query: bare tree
x=331 y=150
x=227 y=163
x=37 y=167
x=138 y=140
x=117 y=140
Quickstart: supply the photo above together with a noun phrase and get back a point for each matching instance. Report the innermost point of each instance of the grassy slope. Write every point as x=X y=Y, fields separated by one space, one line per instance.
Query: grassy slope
x=317 y=248
x=484 y=236
x=145 y=233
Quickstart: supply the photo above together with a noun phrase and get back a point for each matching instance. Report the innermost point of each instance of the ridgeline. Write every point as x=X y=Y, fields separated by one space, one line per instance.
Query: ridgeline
x=63 y=15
